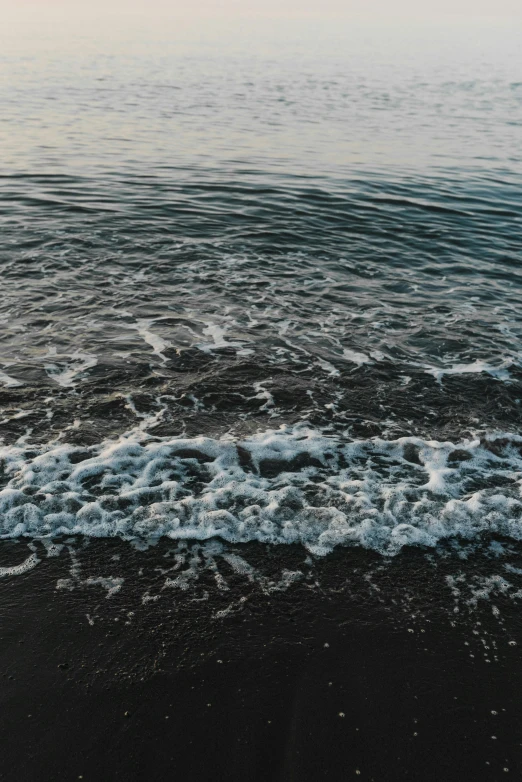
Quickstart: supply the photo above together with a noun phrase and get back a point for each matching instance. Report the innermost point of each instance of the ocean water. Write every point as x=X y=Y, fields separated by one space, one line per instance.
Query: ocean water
x=261 y=286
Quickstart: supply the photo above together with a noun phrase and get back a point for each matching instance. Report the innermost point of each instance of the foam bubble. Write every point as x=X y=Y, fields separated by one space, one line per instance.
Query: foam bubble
x=290 y=485
x=17 y=570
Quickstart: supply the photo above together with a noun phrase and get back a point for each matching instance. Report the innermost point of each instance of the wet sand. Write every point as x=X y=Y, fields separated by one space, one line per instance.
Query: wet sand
x=361 y=669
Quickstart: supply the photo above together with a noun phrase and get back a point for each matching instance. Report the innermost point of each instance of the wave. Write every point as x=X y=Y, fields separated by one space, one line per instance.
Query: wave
x=290 y=485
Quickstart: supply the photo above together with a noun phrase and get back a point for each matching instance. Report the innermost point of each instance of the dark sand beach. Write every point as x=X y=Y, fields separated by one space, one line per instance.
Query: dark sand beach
x=360 y=669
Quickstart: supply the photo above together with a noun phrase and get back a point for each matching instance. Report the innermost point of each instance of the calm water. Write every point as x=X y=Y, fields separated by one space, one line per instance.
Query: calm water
x=305 y=241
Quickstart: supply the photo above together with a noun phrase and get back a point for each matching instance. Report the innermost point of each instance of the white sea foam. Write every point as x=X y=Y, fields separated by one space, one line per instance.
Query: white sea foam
x=217 y=334
x=9 y=381
x=66 y=375
x=358 y=358
x=332 y=371
x=291 y=485
x=17 y=570
x=263 y=393
x=500 y=372
x=157 y=343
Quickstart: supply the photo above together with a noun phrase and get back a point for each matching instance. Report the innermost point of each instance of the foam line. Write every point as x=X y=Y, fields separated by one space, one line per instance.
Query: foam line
x=17 y=570
x=291 y=485
x=157 y=343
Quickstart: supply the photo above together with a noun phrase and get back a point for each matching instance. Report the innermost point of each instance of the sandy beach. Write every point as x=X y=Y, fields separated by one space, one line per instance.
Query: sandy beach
x=362 y=669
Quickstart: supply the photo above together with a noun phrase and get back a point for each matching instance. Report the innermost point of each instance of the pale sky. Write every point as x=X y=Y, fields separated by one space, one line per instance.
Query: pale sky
x=368 y=10
x=32 y=24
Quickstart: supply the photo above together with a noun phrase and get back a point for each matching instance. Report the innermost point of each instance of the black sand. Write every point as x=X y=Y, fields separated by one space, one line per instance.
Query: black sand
x=363 y=668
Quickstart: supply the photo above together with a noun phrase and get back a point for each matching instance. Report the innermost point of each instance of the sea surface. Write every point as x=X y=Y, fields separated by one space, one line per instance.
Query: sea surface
x=261 y=285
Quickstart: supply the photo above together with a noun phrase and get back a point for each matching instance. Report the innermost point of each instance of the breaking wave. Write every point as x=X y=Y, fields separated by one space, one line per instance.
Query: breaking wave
x=291 y=485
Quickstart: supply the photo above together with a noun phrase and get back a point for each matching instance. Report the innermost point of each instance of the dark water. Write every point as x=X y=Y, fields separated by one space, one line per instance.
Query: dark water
x=298 y=243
